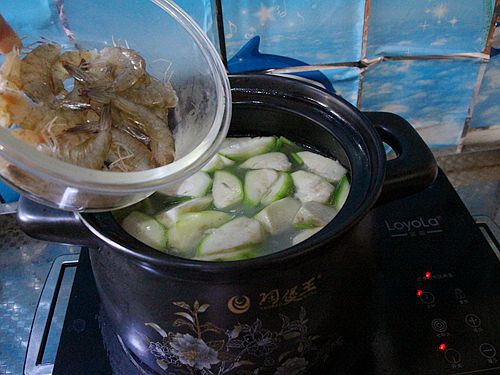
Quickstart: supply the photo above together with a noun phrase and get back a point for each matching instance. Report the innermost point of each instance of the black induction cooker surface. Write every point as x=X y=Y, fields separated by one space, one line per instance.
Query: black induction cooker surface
x=435 y=307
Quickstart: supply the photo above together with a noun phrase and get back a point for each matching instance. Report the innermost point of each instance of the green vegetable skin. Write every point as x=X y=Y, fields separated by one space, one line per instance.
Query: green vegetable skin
x=257 y=184
x=264 y=191
x=296 y=158
x=341 y=193
x=282 y=188
x=285 y=145
x=248 y=147
x=231 y=256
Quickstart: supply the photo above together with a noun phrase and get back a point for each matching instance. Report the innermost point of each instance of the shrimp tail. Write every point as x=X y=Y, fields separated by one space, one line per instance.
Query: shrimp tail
x=98 y=95
x=134 y=132
x=77 y=73
x=104 y=124
x=87 y=127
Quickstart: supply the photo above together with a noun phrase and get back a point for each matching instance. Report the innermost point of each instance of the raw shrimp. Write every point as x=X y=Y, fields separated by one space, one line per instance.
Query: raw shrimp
x=115 y=69
x=162 y=142
x=134 y=131
x=112 y=114
x=36 y=72
x=74 y=58
x=128 y=66
x=10 y=72
x=127 y=153
x=79 y=146
x=147 y=91
x=41 y=73
x=71 y=104
x=17 y=108
x=30 y=137
x=151 y=92
x=79 y=74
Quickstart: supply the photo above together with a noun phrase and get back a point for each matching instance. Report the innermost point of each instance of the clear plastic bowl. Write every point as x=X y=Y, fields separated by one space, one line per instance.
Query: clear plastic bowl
x=171 y=43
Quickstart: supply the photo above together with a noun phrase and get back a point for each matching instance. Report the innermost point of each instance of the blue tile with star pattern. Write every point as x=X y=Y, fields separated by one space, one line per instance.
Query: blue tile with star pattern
x=432 y=95
x=314 y=31
x=428 y=27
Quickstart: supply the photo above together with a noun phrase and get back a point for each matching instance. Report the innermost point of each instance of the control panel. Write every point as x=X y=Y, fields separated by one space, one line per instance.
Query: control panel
x=438 y=294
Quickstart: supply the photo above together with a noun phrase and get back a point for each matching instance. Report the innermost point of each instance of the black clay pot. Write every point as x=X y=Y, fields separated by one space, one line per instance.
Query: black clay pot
x=284 y=313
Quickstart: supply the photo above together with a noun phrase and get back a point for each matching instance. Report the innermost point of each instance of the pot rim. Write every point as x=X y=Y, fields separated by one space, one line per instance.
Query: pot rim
x=319 y=99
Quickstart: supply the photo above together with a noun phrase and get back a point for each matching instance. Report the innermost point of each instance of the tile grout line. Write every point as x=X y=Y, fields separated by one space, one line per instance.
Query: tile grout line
x=364 y=36
x=470 y=109
x=363 y=64
x=480 y=77
x=364 y=44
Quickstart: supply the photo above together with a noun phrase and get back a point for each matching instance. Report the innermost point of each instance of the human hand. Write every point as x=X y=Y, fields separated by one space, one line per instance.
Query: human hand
x=8 y=37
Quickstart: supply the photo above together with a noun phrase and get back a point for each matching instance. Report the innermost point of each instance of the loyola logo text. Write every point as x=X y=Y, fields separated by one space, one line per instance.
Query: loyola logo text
x=414 y=227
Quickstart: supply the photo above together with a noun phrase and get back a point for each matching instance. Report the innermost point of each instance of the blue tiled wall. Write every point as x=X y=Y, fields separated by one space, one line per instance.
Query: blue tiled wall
x=314 y=31
x=427 y=27
x=345 y=81
x=433 y=94
x=486 y=107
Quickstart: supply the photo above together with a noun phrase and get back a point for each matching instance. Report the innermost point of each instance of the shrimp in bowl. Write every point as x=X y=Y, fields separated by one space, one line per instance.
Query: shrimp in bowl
x=87 y=107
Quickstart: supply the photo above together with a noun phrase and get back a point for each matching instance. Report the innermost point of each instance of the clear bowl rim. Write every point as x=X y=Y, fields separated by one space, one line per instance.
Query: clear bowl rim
x=119 y=183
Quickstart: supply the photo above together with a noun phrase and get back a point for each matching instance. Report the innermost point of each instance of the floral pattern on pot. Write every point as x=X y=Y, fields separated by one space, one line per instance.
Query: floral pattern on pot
x=203 y=348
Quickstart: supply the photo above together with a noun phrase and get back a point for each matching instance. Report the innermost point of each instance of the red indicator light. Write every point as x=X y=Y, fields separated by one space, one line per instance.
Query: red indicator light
x=442 y=347
x=427 y=275
x=419 y=292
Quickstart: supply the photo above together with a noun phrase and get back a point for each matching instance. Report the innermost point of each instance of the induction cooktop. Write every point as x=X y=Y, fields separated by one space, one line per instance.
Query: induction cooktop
x=435 y=307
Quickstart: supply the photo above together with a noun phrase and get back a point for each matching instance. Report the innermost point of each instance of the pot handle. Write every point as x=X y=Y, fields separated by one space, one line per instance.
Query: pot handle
x=54 y=225
x=414 y=168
